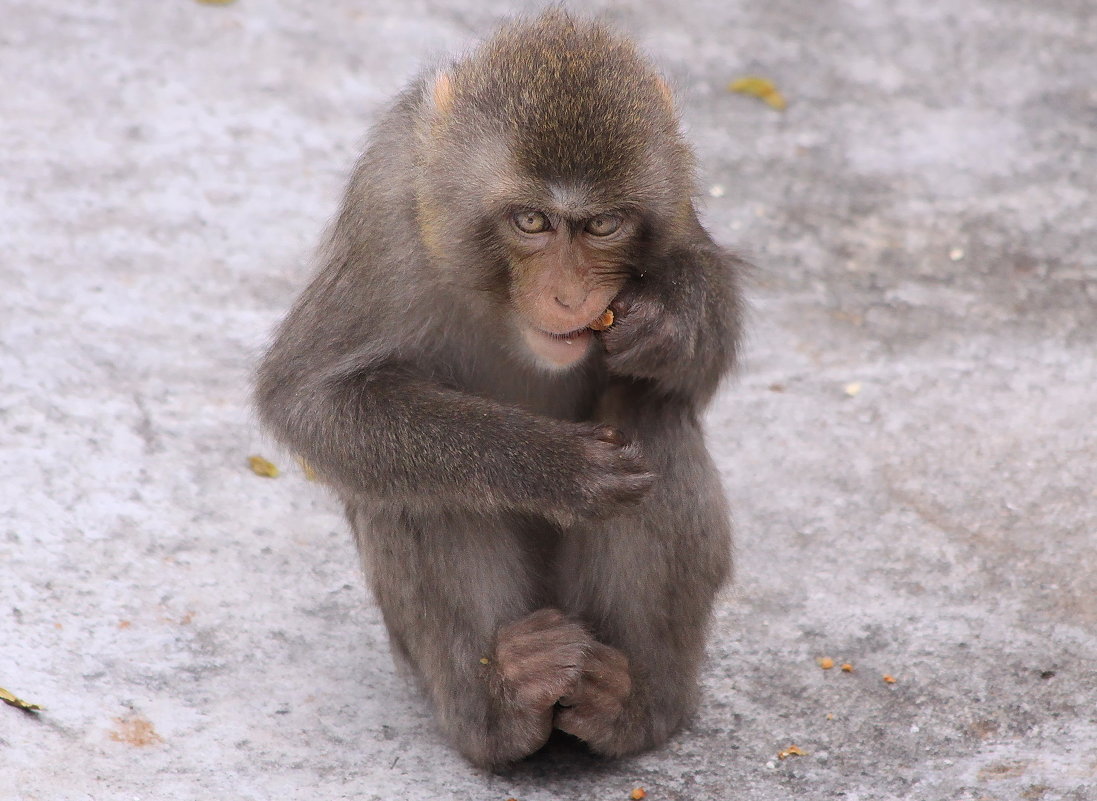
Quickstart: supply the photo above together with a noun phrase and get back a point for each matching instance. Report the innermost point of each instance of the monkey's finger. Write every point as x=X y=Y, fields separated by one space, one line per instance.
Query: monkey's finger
x=610 y=434
x=637 y=331
x=573 y=699
x=541 y=655
x=553 y=650
x=605 y=660
x=628 y=479
x=605 y=672
x=541 y=691
x=626 y=485
x=655 y=346
x=623 y=303
x=634 y=488
x=543 y=678
x=592 y=718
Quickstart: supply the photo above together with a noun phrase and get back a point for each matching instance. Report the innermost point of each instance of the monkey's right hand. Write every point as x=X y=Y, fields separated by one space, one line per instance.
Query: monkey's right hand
x=610 y=475
x=540 y=658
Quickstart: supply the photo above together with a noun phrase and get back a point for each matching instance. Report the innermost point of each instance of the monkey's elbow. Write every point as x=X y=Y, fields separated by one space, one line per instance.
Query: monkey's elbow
x=273 y=398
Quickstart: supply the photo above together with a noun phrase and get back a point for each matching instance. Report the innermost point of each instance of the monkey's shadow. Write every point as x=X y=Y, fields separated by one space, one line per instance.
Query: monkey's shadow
x=562 y=755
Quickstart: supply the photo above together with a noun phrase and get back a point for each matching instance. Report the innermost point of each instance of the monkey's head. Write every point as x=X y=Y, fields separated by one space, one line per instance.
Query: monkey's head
x=551 y=168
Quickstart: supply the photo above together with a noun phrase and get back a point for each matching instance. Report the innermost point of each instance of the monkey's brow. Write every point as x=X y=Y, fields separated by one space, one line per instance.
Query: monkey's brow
x=578 y=216
x=572 y=197
x=575 y=201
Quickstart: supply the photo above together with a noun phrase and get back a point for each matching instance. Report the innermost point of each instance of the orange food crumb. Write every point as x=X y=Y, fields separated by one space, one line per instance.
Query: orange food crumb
x=825 y=662
x=847 y=667
x=792 y=750
x=603 y=322
x=637 y=794
x=889 y=679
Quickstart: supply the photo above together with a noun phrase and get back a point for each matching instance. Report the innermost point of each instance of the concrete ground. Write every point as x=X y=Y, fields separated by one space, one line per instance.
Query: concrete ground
x=910 y=448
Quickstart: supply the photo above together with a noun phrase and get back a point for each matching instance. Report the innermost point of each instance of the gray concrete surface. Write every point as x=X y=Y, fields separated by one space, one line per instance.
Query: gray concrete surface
x=925 y=228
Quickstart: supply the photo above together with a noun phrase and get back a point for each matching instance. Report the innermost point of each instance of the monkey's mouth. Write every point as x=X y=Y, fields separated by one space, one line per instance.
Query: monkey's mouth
x=567 y=337
x=558 y=350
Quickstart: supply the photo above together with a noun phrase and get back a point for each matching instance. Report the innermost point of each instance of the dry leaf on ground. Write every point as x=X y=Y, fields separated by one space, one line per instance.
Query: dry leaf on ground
x=759 y=87
x=261 y=467
x=17 y=702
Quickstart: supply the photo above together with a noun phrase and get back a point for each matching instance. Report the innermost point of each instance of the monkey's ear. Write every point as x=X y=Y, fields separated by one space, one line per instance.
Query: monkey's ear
x=442 y=93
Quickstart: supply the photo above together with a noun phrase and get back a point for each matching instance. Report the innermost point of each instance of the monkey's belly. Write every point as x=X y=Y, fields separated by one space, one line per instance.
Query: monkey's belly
x=502 y=564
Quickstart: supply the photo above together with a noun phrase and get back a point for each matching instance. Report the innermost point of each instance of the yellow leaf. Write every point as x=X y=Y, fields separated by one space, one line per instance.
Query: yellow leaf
x=261 y=467
x=761 y=88
x=18 y=703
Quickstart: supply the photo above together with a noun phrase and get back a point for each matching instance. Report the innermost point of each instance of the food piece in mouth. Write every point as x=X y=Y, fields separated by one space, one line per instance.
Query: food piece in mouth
x=603 y=322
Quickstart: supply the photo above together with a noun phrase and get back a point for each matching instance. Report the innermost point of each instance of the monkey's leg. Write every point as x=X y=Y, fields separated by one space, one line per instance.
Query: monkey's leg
x=459 y=595
x=644 y=582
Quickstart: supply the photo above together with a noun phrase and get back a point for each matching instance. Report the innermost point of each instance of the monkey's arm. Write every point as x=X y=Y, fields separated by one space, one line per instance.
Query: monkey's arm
x=398 y=436
x=680 y=322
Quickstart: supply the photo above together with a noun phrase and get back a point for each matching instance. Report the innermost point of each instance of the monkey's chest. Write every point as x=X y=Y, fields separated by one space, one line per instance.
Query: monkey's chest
x=560 y=399
x=498 y=375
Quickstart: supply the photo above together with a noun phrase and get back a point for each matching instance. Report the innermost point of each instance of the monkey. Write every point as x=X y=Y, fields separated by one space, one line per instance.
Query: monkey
x=536 y=511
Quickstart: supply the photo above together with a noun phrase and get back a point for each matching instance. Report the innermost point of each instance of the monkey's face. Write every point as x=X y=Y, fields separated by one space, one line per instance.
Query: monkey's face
x=564 y=272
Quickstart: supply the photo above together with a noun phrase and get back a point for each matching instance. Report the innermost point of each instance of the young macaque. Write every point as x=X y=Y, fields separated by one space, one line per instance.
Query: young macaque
x=526 y=476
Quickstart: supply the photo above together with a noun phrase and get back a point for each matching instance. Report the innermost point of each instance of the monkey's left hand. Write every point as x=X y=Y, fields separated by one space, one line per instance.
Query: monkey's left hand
x=655 y=333
x=678 y=325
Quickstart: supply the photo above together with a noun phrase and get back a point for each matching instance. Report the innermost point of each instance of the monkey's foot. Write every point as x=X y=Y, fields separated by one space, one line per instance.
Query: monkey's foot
x=595 y=709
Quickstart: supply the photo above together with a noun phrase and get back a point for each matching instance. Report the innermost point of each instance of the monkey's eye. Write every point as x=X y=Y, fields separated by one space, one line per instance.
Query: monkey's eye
x=603 y=225
x=531 y=222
